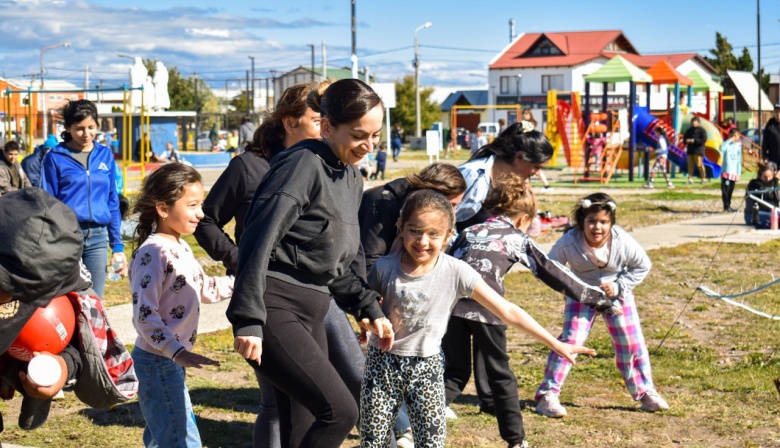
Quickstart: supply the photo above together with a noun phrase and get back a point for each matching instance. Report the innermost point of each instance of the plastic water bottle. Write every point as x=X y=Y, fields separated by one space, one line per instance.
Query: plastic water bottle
x=113 y=270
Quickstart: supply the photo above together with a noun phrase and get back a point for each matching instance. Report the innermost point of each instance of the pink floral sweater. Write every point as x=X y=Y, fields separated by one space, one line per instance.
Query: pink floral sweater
x=168 y=285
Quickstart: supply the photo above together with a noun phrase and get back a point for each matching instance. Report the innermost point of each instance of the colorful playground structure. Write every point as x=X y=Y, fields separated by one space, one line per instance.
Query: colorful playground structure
x=596 y=144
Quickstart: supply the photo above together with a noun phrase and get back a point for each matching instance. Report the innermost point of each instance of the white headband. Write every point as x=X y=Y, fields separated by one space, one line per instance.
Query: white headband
x=587 y=203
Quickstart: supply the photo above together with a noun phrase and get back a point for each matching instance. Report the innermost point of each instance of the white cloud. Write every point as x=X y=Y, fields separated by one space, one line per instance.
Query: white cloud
x=210 y=32
x=194 y=39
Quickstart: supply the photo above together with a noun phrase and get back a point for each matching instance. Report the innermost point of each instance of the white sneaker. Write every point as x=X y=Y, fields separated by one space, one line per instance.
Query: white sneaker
x=520 y=445
x=649 y=185
x=550 y=406
x=652 y=402
x=59 y=395
x=449 y=414
x=406 y=440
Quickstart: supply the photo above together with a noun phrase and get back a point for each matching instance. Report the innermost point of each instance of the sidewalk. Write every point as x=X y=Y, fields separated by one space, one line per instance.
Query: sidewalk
x=711 y=228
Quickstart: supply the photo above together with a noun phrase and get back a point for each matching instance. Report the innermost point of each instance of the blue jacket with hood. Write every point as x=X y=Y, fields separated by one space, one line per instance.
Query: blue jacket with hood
x=90 y=192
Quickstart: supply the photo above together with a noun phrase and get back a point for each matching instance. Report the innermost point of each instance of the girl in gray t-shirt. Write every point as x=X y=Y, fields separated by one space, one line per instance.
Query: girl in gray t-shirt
x=420 y=286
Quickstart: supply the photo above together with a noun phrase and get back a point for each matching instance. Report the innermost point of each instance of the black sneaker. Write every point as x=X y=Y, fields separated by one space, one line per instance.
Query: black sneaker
x=34 y=413
x=487 y=409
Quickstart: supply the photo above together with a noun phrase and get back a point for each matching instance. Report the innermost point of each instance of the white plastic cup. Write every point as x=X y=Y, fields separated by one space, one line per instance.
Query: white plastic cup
x=44 y=370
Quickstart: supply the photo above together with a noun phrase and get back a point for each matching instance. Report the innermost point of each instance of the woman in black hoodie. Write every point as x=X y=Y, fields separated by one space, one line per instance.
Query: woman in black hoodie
x=299 y=241
x=764 y=187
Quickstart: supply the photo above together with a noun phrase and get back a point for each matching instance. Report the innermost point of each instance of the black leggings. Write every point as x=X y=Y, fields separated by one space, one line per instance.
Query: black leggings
x=726 y=190
x=316 y=408
x=491 y=339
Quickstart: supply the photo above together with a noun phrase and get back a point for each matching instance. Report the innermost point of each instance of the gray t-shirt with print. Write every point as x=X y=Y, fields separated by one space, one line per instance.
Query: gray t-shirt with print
x=420 y=307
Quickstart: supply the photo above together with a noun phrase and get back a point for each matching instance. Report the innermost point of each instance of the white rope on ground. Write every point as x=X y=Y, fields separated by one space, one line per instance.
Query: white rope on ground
x=728 y=299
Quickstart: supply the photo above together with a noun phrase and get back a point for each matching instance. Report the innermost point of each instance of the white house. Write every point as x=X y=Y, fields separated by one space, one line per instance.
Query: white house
x=535 y=63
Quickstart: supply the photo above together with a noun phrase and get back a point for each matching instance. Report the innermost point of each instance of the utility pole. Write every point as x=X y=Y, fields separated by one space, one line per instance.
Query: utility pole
x=511 y=30
x=252 y=89
x=248 y=105
x=273 y=84
x=86 y=81
x=354 y=43
x=324 y=62
x=197 y=111
x=760 y=77
x=267 y=94
x=312 y=62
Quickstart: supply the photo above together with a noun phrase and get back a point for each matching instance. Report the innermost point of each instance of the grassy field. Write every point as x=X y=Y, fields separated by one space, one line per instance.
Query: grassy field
x=716 y=366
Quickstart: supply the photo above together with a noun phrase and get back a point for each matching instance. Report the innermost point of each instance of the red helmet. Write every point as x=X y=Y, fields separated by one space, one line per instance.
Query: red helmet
x=48 y=330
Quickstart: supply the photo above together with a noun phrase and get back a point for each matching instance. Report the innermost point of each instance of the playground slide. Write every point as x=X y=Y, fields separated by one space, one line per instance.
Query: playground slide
x=643 y=121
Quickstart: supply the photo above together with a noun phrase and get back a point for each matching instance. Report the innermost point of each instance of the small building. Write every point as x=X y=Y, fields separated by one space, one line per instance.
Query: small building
x=14 y=110
x=535 y=63
x=744 y=87
x=471 y=109
x=303 y=75
x=58 y=93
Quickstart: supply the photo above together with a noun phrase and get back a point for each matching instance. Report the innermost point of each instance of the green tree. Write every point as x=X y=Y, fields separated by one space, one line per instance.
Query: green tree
x=241 y=102
x=722 y=55
x=745 y=62
x=404 y=113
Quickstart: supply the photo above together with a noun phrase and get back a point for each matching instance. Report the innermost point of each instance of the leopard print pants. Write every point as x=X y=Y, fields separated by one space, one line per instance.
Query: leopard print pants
x=389 y=380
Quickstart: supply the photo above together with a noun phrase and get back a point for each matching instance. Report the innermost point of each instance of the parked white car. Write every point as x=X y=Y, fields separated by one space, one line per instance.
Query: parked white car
x=489 y=129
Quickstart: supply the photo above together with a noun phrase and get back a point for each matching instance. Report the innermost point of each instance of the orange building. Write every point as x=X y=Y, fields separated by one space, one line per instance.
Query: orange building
x=14 y=109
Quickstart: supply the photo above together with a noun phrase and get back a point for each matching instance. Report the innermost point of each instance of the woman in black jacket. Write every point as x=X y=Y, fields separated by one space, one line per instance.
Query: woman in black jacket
x=764 y=187
x=381 y=205
x=296 y=117
x=695 y=138
x=302 y=223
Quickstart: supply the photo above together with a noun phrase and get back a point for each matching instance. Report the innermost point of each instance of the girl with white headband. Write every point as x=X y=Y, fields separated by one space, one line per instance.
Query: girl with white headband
x=604 y=255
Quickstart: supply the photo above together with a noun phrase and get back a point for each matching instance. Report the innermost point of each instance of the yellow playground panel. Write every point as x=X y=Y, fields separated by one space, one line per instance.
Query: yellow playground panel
x=127 y=121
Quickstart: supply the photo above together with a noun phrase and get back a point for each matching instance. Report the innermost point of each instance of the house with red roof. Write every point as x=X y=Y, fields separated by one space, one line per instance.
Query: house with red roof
x=534 y=63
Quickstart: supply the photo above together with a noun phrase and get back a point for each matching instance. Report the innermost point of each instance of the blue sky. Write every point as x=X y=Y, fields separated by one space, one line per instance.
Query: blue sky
x=215 y=41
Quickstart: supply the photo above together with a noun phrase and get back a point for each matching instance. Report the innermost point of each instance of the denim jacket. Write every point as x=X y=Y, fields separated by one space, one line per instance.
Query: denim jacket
x=477 y=174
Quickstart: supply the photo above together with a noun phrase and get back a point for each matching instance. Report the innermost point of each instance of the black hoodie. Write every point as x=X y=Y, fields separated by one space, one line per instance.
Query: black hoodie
x=301 y=228
x=378 y=216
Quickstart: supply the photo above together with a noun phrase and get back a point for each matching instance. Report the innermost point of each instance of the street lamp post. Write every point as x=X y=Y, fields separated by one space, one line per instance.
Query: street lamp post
x=519 y=77
x=252 y=89
x=417 y=76
x=43 y=88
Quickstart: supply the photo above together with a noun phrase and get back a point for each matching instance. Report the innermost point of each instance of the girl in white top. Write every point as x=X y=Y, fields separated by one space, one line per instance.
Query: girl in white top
x=420 y=286
x=603 y=254
x=168 y=285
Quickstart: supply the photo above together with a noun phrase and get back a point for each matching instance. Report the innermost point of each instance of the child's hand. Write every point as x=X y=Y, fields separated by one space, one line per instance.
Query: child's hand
x=189 y=359
x=570 y=352
x=380 y=327
x=609 y=289
x=40 y=392
x=250 y=347
x=365 y=328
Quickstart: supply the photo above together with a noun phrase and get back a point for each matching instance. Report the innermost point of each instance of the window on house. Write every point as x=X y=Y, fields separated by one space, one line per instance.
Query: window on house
x=552 y=82
x=610 y=87
x=545 y=48
x=504 y=87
